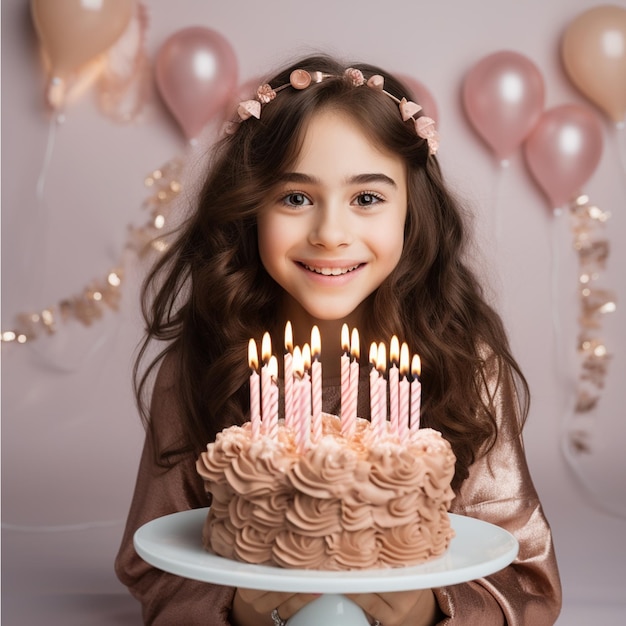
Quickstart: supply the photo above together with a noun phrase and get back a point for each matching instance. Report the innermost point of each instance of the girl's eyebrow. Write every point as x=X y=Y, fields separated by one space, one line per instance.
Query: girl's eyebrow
x=298 y=177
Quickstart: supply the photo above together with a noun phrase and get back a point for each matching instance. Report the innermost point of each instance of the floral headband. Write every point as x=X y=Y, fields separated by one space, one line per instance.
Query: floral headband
x=301 y=79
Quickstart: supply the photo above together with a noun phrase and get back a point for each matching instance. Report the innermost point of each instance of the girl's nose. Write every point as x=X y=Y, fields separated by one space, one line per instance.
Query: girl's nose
x=330 y=228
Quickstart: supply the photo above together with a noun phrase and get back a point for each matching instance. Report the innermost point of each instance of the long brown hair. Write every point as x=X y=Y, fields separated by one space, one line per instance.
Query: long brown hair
x=209 y=292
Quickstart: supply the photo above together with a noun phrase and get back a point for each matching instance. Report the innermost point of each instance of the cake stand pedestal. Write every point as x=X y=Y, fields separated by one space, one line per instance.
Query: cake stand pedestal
x=173 y=543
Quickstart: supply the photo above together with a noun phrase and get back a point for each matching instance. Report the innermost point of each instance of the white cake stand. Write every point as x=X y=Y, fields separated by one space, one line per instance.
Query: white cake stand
x=173 y=543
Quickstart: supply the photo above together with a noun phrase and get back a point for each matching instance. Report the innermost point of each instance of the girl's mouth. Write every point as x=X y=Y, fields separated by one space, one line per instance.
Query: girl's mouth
x=331 y=271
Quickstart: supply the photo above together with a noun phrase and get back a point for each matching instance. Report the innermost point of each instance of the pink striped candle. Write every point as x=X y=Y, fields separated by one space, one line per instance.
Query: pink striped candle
x=303 y=423
x=348 y=426
x=306 y=360
x=255 y=390
x=316 y=382
x=416 y=394
x=266 y=381
x=381 y=365
x=288 y=375
x=403 y=409
x=345 y=373
x=394 y=357
x=374 y=391
x=298 y=372
x=272 y=427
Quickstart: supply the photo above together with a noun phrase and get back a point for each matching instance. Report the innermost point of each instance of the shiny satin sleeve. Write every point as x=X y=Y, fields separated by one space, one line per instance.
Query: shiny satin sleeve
x=167 y=599
x=500 y=490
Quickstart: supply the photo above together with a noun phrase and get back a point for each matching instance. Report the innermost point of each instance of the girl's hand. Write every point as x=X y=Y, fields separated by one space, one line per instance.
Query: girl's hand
x=252 y=607
x=399 y=608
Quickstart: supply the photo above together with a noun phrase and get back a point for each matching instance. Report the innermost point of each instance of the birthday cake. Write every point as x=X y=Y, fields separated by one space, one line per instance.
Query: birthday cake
x=362 y=501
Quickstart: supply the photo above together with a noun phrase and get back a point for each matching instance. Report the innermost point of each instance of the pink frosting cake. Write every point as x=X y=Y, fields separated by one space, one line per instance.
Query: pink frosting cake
x=366 y=502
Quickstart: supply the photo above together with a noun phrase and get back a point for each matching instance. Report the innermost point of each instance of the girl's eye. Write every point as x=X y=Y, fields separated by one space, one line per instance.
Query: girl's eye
x=368 y=199
x=296 y=200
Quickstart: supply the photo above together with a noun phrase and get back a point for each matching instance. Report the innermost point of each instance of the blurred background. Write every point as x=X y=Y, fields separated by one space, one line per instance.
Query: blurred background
x=105 y=124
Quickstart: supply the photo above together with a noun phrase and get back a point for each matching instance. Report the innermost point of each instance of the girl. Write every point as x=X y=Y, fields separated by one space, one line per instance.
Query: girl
x=325 y=205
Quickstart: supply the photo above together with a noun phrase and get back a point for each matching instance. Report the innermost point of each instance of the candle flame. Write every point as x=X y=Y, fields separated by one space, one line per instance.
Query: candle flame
x=404 y=359
x=394 y=350
x=266 y=347
x=288 y=337
x=316 y=342
x=253 y=356
x=416 y=366
x=381 y=360
x=272 y=367
x=355 y=346
x=306 y=356
x=373 y=353
x=345 y=338
x=298 y=365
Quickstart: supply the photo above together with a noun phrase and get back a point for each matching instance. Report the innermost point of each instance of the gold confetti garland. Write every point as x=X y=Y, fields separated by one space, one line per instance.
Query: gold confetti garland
x=592 y=249
x=90 y=304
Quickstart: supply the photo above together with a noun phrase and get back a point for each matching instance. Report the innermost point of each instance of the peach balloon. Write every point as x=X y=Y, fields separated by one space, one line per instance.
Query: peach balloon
x=593 y=50
x=503 y=95
x=74 y=32
x=563 y=151
x=196 y=74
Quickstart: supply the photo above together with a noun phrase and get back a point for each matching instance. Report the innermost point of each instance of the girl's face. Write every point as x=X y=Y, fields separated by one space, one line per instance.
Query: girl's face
x=332 y=229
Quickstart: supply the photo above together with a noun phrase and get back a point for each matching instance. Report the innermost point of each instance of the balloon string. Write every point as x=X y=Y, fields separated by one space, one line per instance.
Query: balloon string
x=556 y=318
x=495 y=201
x=572 y=462
x=41 y=180
x=55 y=354
x=620 y=140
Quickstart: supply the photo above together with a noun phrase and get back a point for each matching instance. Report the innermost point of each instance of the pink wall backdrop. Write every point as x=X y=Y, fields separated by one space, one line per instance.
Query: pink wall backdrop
x=73 y=183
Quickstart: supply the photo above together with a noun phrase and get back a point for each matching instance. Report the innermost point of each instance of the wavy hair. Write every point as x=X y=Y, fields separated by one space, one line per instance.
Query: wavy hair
x=209 y=292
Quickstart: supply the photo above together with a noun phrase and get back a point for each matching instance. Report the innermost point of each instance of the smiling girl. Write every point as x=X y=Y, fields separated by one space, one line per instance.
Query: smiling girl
x=325 y=205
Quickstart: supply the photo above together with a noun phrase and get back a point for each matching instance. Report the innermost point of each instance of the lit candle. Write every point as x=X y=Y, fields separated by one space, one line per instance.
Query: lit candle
x=255 y=415
x=416 y=393
x=288 y=374
x=381 y=365
x=306 y=361
x=374 y=390
x=272 y=427
x=403 y=410
x=298 y=371
x=266 y=352
x=348 y=426
x=345 y=372
x=303 y=423
x=316 y=382
x=394 y=357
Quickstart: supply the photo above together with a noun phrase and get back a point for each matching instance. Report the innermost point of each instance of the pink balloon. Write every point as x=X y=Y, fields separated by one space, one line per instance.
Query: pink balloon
x=503 y=96
x=422 y=95
x=563 y=151
x=196 y=74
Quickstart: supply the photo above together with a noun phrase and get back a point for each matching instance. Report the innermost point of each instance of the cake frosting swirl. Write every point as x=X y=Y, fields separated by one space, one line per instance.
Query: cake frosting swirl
x=358 y=503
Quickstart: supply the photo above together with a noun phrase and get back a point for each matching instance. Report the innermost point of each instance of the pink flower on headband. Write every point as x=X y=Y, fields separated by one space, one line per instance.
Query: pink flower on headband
x=354 y=76
x=249 y=108
x=376 y=82
x=426 y=129
x=408 y=109
x=265 y=93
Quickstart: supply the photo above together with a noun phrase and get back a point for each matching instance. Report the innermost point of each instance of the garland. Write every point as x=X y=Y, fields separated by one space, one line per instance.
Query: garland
x=90 y=304
x=592 y=248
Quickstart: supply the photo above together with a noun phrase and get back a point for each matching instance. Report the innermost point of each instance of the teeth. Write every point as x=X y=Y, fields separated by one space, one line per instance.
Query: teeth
x=330 y=271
